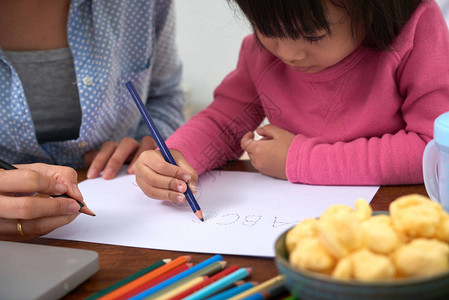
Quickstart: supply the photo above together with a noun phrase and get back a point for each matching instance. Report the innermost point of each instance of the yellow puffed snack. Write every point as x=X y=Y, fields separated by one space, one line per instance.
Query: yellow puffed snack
x=340 y=232
x=343 y=269
x=304 y=229
x=335 y=209
x=362 y=210
x=415 y=215
x=380 y=236
x=422 y=257
x=352 y=244
x=364 y=265
x=443 y=227
x=369 y=266
x=310 y=254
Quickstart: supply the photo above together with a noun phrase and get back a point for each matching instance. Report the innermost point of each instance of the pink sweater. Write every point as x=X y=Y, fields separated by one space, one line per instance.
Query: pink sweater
x=363 y=121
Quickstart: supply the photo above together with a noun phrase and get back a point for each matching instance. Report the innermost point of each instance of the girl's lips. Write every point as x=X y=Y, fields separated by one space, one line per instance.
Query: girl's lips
x=301 y=69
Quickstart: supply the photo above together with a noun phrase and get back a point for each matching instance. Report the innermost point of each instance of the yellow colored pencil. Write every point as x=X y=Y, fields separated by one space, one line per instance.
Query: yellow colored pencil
x=182 y=288
x=260 y=287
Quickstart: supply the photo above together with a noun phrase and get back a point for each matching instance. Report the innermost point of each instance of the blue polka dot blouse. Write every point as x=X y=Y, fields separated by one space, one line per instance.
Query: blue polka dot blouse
x=112 y=42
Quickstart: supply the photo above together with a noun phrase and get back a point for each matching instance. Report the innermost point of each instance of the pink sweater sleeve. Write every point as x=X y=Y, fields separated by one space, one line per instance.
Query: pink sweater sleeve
x=212 y=137
x=422 y=79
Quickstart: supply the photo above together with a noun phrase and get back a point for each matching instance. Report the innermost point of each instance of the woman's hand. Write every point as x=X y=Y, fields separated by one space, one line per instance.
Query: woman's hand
x=113 y=155
x=269 y=154
x=161 y=180
x=37 y=215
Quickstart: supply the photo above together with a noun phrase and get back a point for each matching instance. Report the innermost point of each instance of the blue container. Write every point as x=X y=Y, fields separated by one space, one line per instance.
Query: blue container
x=436 y=162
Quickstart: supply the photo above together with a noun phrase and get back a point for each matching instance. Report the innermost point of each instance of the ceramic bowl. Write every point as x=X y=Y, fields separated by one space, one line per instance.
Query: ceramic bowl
x=307 y=285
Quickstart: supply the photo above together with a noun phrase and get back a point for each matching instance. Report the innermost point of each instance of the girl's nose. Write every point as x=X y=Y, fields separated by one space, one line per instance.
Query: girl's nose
x=289 y=52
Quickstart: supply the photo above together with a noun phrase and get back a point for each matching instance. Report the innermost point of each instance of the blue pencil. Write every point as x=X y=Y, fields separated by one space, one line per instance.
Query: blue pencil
x=161 y=144
x=176 y=278
x=219 y=284
x=232 y=292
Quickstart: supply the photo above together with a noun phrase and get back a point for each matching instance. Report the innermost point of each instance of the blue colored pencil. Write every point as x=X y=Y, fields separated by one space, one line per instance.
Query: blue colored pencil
x=176 y=278
x=232 y=292
x=162 y=146
x=219 y=284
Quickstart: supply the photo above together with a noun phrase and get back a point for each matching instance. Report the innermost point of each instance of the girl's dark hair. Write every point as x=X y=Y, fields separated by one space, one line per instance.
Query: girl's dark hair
x=377 y=21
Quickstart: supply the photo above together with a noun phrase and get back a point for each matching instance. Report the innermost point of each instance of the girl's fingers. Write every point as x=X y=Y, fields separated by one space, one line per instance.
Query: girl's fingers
x=101 y=159
x=268 y=131
x=36 y=207
x=156 y=180
x=154 y=160
x=160 y=193
x=124 y=150
x=246 y=140
x=32 y=228
x=147 y=143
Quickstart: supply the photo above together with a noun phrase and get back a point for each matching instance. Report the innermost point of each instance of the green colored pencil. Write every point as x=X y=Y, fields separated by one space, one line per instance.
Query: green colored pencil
x=130 y=278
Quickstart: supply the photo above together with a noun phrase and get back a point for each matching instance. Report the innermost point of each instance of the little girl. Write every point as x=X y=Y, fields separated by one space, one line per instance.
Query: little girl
x=350 y=88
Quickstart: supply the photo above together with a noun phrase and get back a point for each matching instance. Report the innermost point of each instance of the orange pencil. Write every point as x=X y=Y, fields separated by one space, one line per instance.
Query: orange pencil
x=147 y=277
x=206 y=282
x=154 y=281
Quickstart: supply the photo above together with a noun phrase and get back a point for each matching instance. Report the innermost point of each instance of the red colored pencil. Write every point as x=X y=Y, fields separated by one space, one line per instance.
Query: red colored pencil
x=206 y=282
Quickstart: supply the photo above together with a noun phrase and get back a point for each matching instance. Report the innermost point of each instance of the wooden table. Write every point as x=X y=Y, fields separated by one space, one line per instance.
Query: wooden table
x=118 y=262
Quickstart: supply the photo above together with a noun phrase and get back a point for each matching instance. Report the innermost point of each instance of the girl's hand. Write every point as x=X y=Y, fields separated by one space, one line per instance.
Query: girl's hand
x=113 y=155
x=38 y=215
x=268 y=155
x=159 y=179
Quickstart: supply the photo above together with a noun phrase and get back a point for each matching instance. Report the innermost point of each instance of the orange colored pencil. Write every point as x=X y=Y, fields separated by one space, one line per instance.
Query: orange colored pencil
x=147 y=277
x=154 y=281
x=206 y=282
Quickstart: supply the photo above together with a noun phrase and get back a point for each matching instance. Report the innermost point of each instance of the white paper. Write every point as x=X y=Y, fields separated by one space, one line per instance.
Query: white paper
x=244 y=213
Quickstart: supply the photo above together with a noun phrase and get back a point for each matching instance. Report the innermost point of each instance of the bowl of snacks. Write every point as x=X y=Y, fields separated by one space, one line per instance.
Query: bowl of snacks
x=358 y=254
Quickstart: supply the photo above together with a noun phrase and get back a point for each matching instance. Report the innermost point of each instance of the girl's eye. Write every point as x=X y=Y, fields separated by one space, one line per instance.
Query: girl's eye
x=313 y=39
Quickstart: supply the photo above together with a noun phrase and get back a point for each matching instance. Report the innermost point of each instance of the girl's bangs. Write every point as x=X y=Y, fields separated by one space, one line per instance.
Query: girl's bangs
x=286 y=19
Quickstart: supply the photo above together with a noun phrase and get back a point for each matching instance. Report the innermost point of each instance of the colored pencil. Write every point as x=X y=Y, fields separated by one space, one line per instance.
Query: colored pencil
x=162 y=146
x=147 y=277
x=220 y=284
x=275 y=291
x=83 y=207
x=177 y=278
x=201 y=285
x=155 y=281
x=182 y=288
x=264 y=285
x=255 y=296
x=129 y=278
x=233 y=291
x=207 y=271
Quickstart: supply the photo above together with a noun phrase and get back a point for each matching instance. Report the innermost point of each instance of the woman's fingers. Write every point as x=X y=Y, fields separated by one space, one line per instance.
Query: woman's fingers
x=65 y=179
x=28 y=181
x=100 y=160
x=122 y=153
x=31 y=228
x=36 y=207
